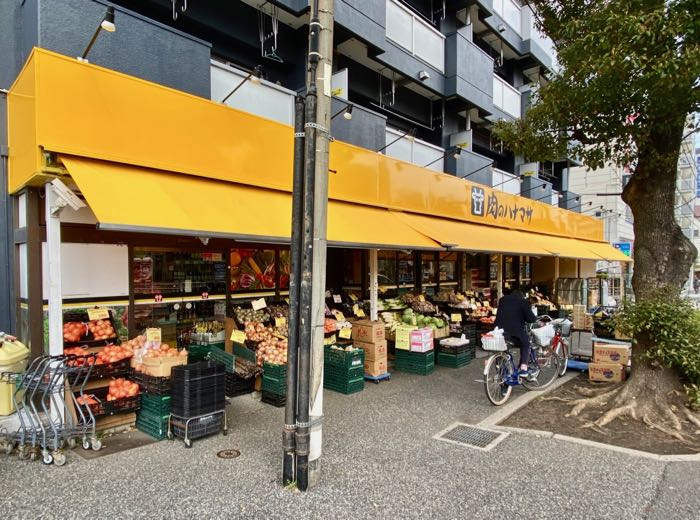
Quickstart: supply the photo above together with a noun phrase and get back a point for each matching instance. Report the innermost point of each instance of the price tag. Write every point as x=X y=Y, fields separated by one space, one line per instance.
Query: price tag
x=238 y=336
x=287 y=300
x=345 y=333
x=494 y=311
x=456 y=317
x=353 y=297
x=98 y=314
x=259 y=304
x=421 y=298
x=329 y=341
x=338 y=315
x=487 y=304
x=337 y=298
x=153 y=335
x=280 y=322
x=360 y=313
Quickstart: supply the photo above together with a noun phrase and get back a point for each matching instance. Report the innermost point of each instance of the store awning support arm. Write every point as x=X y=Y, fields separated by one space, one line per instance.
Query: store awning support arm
x=290 y=411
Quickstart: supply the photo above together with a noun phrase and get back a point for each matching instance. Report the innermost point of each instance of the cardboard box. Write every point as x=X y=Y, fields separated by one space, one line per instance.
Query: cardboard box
x=579 y=315
x=421 y=340
x=368 y=331
x=162 y=366
x=603 y=353
x=403 y=336
x=376 y=367
x=373 y=351
x=422 y=347
x=610 y=372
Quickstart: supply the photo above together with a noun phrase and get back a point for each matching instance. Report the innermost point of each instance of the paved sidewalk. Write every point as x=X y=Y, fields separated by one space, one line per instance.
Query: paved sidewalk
x=380 y=460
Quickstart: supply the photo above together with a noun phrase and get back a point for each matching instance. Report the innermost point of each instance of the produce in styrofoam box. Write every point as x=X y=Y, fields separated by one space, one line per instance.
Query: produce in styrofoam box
x=101 y=329
x=121 y=388
x=154 y=352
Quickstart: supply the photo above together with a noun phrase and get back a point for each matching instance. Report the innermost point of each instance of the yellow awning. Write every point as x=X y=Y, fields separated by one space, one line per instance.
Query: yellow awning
x=565 y=247
x=137 y=199
x=607 y=252
x=463 y=236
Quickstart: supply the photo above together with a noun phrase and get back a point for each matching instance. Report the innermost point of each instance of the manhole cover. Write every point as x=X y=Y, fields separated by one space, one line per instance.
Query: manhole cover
x=471 y=436
x=228 y=454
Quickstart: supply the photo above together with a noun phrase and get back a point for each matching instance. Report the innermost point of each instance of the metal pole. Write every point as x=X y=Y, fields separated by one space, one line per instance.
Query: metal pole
x=324 y=11
x=290 y=411
x=53 y=246
x=373 y=284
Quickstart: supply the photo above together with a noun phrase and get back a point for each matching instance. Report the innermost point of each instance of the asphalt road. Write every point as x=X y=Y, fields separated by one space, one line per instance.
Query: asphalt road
x=380 y=460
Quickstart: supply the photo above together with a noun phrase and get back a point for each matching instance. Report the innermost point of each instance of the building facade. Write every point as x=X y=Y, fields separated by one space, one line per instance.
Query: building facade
x=419 y=83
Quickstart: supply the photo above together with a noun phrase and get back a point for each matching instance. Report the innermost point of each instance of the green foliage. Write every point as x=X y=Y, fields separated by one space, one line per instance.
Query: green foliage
x=672 y=327
x=616 y=59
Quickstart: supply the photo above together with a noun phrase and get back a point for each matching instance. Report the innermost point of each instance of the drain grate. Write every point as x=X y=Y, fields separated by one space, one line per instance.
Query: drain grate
x=471 y=436
x=228 y=454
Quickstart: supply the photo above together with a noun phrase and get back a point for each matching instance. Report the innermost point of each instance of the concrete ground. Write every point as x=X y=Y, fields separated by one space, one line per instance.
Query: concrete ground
x=380 y=460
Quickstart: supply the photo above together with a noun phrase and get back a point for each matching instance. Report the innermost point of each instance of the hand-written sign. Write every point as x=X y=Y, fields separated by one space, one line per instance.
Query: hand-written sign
x=98 y=314
x=153 y=335
x=238 y=336
x=258 y=304
x=345 y=333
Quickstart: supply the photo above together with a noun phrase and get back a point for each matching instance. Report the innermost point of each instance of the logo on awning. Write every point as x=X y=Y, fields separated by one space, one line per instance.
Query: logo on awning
x=478 y=201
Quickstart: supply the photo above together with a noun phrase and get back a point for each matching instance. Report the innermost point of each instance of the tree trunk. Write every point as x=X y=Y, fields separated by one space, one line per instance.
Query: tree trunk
x=662 y=253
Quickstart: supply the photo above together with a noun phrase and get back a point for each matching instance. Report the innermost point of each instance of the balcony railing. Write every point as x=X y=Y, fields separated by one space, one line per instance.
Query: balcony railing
x=505 y=181
x=509 y=10
x=505 y=97
x=417 y=36
x=414 y=151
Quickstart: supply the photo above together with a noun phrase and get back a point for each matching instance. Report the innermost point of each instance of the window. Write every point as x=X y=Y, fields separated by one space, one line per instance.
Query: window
x=615 y=288
x=352 y=267
x=172 y=272
x=448 y=267
x=428 y=269
x=386 y=267
x=406 y=268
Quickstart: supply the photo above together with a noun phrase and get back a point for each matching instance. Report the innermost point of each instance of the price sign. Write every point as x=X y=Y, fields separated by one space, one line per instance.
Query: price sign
x=280 y=321
x=337 y=298
x=238 y=336
x=345 y=333
x=259 y=304
x=329 y=341
x=456 y=317
x=360 y=313
x=287 y=300
x=98 y=314
x=353 y=297
x=153 y=335
x=421 y=298
x=338 y=315
x=494 y=311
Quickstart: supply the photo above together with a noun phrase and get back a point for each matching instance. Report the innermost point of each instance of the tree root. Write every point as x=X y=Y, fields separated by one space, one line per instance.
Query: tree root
x=612 y=414
x=581 y=404
x=663 y=429
x=692 y=418
x=592 y=426
x=593 y=392
x=560 y=399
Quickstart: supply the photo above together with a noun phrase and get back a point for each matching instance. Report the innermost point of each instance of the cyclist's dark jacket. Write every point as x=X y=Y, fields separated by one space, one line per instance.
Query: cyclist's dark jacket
x=513 y=312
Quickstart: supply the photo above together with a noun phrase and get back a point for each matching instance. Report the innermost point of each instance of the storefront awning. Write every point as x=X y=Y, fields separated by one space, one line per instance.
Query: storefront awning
x=608 y=252
x=463 y=236
x=129 y=198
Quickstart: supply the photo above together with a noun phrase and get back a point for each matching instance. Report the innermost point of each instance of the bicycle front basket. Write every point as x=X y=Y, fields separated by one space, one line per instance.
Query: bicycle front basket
x=543 y=336
x=493 y=343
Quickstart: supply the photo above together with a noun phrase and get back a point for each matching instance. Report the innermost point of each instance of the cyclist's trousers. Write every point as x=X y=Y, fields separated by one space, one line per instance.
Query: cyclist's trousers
x=524 y=350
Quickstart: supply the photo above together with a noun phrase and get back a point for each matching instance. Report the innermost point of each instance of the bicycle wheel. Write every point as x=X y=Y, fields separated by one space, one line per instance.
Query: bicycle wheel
x=562 y=352
x=544 y=365
x=497 y=370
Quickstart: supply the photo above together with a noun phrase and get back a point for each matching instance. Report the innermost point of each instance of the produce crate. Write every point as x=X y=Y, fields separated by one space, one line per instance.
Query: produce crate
x=104 y=408
x=334 y=373
x=243 y=352
x=155 y=404
x=273 y=399
x=421 y=363
x=275 y=371
x=274 y=386
x=198 y=388
x=121 y=368
x=151 y=384
x=453 y=360
x=236 y=385
x=345 y=387
x=154 y=425
x=226 y=359
x=343 y=359
x=88 y=340
x=197 y=428
x=201 y=351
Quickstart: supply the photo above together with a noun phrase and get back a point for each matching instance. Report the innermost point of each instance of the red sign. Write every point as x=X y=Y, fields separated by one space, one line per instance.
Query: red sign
x=159 y=297
x=205 y=295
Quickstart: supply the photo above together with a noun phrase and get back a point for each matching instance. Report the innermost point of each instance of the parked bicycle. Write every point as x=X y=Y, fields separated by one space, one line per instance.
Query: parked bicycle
x=501 y=370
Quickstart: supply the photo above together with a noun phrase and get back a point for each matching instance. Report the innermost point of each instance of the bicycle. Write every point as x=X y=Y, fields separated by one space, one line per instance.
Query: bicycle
x=560 y=343
x=501 y=371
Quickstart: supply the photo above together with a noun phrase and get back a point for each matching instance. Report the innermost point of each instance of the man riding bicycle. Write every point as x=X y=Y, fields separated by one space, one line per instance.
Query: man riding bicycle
x=514 y=312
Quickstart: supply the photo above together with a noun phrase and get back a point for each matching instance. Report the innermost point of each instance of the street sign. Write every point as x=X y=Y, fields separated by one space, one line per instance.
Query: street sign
x=624 y=247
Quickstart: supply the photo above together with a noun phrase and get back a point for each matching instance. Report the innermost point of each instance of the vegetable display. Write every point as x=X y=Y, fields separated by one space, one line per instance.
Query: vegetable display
x=249 y=315
x=256 y=331
x=164 y=350
x=73 y=331
x=101 y=329
x=419 y=320
x=121 y=388
x=273 y=352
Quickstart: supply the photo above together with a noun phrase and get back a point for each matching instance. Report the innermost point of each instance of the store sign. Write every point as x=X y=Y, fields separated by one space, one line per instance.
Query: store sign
x=98 y=314
x=477 y=201
x=624 y=247
x=500 y=207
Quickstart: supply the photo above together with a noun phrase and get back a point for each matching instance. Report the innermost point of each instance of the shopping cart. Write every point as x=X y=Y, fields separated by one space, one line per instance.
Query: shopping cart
x=52 y=409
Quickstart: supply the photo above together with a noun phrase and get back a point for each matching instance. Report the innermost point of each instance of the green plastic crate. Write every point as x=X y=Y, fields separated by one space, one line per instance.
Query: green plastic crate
x=226 y=359
x=243 y=352
x=337 y=374
x=200 y=352
x=412 y=369
x=274 y=385
x=155 y=404
x=155 y=426
x=454 y=360
x=420 y=359
x=349 y=387
x=275 y=371
x=343 y=359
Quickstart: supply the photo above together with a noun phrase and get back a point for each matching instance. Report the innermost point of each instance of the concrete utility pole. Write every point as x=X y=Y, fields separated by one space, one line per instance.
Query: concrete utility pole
x=323 y=119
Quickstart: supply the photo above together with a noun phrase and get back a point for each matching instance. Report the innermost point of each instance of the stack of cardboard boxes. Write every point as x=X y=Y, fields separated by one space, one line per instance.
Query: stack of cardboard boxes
x=369 y=336
x=609 y=362
x=582 y=320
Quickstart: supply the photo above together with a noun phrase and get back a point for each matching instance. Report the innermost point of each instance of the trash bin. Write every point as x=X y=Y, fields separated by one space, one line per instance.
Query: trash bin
x=13 y=358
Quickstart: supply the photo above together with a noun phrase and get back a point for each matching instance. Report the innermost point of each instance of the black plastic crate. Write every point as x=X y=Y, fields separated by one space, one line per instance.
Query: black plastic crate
x=235 y=385
x=199 y=404
x=105 y=408
x=195 y=371
x=273 y=399
x=153 y=385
